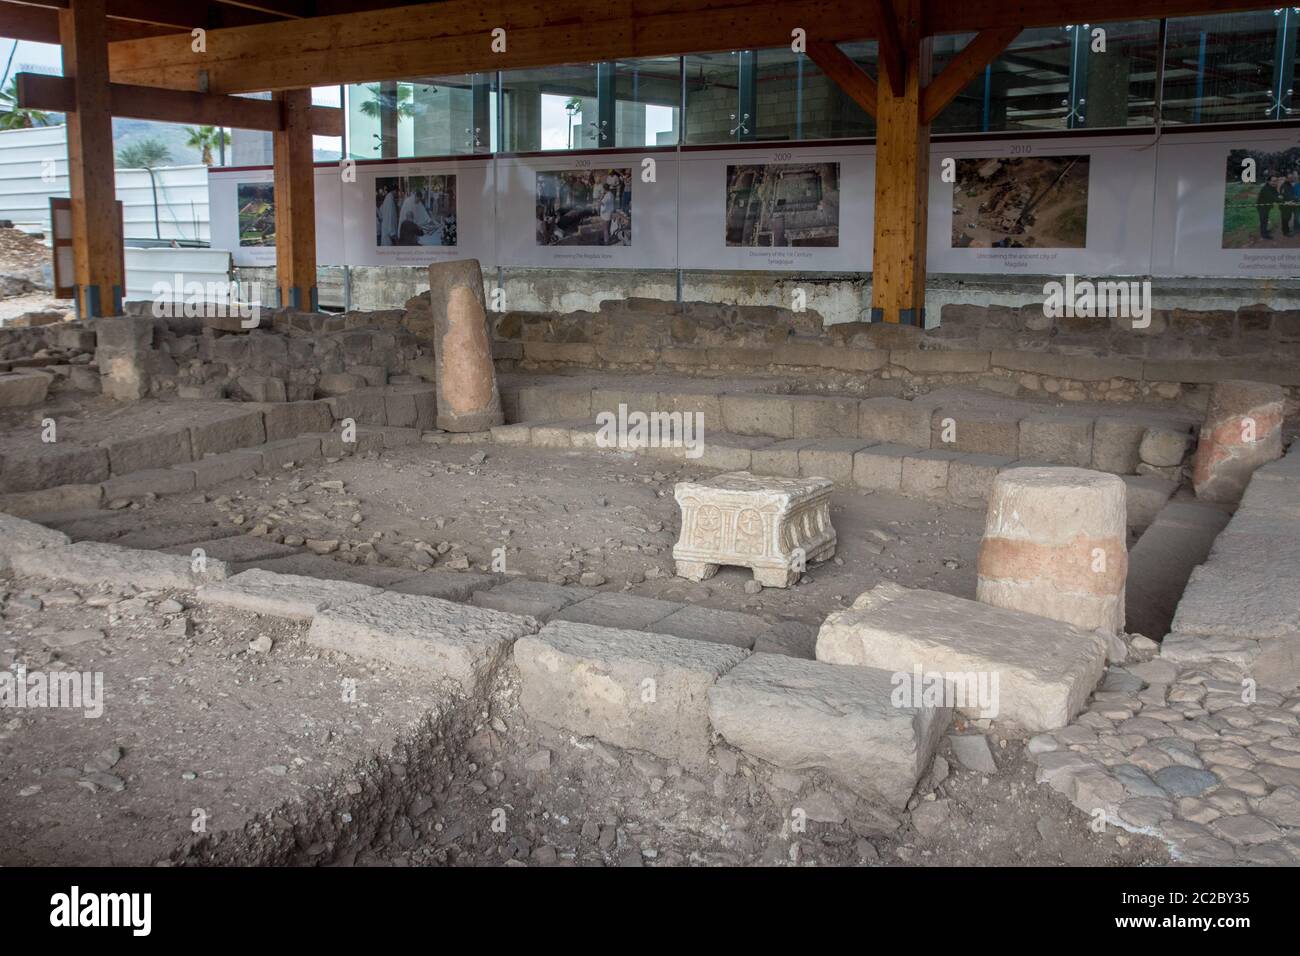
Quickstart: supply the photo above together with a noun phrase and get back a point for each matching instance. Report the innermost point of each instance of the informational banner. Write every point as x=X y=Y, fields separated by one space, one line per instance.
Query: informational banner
x=1191 y=204
x=1041 y=207
x=798 y=209
x=242 y=214
x=1228 y=204
x=414 y=213
x=616 y=209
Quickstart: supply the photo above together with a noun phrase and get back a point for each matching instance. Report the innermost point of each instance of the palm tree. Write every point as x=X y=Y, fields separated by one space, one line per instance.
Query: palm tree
x=383 y=103
x=143 y=154
x=146 y=154
x=14 y=117
x=203 y=138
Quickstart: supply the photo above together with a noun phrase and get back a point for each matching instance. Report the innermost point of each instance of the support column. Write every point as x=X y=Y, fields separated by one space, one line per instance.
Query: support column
x=295 y=204
x=902 y=178
x=96 y=224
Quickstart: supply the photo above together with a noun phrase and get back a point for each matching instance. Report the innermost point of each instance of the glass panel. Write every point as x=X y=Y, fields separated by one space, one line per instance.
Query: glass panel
x=327 y=148
x=1221 y=68
x=1119 y=83
x=1026 y=87
x=712 y=98
x=554 y=108
x=796 y=101
x=648 y=102
x=431 y=116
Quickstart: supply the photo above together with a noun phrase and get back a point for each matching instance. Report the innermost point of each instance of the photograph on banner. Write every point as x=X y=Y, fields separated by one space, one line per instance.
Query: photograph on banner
x=584 y=207
x=1021 y=202
x=1261 y=199
x=256 y=203
x=783 y=204
x=415 y=210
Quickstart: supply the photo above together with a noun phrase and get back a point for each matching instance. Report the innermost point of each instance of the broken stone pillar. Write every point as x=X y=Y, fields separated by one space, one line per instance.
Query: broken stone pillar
x=468 y=400
x=1242 y=430
x=124 y=353
x=775 y=526
x=1055 y=545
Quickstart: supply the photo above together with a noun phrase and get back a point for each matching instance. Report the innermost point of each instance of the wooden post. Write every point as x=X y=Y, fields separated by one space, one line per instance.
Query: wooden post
x=96 y=222
x=902 y=179
x=295 y=204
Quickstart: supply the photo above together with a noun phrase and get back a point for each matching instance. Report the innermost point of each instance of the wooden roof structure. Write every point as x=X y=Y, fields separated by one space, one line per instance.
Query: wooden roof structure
x=183 y=61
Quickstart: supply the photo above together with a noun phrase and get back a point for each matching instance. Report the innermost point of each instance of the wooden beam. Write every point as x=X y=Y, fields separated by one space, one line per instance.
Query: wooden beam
x=902 y=187
x=96 y=225
x=455 y=36
x=295 y=204
x=57 y=94
x=892 y=60
x=20 y=21
x=964 y=67
x=846 y=74
x=174 y=14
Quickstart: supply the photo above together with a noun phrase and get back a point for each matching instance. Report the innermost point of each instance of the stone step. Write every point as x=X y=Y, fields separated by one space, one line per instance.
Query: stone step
x=845 y=721
x=627 y=688
x=1126 y=440
x=1004 y=664
x=92 y=563
x=290 y=596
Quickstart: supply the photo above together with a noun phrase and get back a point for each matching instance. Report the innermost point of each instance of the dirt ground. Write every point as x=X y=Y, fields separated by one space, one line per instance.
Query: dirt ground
x=285 y=771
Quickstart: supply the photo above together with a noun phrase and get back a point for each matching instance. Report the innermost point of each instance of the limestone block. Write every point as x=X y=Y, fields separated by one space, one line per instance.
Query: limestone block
x=548 y=403
x=1164 y=447
x=51 y=501
x=289 y=596
x=216 y=469
x=1001 y=664
x=365 y=406
x=156 y=481
x=93 y=563
x=238 y=551
x=319 y=566
x=1242 y=430
x=32 y=464
x=448 y=585
x=1116 y=445
x=749 y=413
x=779 y=458
x=23 y=388
x=18 y=535
x=817 y=416
x=976 y=431
x=148 y=451
x=453 y=642
x=1061 y=439
x=1145 y=496
x=970 y=477
x=290 y=419
x=237 y=429
x=896 y=421
x=277 y=454
x=808 y=715
x=710 y=624
x=411 y=406
x=722 y=451
x=880 y=467
x=776 y=526
x=468 y=399
x=532 y=598
x=925 y=473
x=631 y=689
x=830 y=458
x=613 y=609
x=1055 y=544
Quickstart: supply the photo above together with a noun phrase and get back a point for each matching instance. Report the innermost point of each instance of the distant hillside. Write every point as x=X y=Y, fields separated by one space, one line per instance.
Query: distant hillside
x=127 y=131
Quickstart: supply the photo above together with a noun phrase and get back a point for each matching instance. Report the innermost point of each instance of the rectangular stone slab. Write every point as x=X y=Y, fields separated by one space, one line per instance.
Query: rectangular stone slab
x=710 y=624
x=532 y=598
x=805 y=715
x=90 y=563
x=448 y=585
x=612 y=609
x=1045 y=669
x=18 y=535
x=453 y=642
x=281 y=595
x=628 y=688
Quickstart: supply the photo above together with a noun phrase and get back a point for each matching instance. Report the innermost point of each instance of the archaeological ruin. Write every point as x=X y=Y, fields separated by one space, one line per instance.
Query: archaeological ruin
x=605 y=492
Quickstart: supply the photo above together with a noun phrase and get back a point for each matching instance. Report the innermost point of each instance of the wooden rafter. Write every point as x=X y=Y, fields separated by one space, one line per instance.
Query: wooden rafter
x=964 y=67
x=20 y=21
x=846 y=74
x=57 y=94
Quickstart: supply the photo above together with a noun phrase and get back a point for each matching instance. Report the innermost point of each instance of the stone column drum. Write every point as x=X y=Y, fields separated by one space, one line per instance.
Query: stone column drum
x=1242 y=430
x=1055 y=545
x=468 y=399
x=776 y=526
